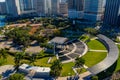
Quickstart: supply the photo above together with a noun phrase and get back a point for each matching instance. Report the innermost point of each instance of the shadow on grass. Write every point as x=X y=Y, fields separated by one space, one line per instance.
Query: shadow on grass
x=108 y=72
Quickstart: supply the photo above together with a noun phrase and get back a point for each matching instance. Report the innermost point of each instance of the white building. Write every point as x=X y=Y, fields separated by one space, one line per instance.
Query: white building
x=36 y=71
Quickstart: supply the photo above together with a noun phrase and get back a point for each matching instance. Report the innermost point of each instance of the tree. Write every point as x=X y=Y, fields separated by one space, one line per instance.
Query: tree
x=19 y=36
x=94 y=78
x=3 y=53
x=16 y=76
x=17 y=59
x=56 y=68
x=90 y=30
x=33 y=58
x=79 y=62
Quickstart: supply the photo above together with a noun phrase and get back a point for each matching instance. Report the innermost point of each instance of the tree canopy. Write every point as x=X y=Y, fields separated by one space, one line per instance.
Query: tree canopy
x=16 y=76
x=56 y=68
x=91 y=30
x=19 y=36
x=79 y=62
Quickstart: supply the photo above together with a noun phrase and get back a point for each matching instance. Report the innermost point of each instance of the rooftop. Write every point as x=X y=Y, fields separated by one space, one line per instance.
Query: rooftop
x=36 y=69
x=59 y=40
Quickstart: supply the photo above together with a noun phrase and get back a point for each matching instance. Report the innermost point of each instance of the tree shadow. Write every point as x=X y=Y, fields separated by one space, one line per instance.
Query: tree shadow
x=107 y=72
x=7 y=73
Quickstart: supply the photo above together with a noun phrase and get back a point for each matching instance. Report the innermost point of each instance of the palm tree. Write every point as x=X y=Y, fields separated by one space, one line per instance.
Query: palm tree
x=79 y=62
x=56 y=68
x=17 y=59
x=33 y=58
x=3 y=53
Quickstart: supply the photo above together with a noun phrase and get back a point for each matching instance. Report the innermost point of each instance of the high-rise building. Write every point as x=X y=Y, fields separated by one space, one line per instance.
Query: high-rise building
x=93 y=10
x=25 y=6
x=63 y=8
x=55 y=7
x=11 y=8
x=40 y=7
x=19 y=7
x=112 y=12
x=48 y=8
x=86 y=9
x=76 y=8
x=3 y=9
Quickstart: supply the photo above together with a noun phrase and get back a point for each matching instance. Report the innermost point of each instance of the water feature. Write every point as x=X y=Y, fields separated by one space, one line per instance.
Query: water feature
x=2 y=21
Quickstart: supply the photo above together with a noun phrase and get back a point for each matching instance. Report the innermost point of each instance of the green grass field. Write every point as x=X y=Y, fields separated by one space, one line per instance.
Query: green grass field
x=67 y=69
x=118 y=61
x=9 y=60
x=96 y=45
x=42 y=62
x=92 y=58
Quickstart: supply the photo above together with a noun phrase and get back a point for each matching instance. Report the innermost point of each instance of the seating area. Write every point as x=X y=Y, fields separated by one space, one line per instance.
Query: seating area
x=64 y=58
x=74 y=49
x=73 y=55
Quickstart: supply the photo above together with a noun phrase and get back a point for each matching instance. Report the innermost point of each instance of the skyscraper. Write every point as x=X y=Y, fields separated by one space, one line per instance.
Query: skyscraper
x=63 y=8
x=93 y=10
x=25 y=6
x=11 y=8
x=3 y=9
x=54 y=7
x=112 y=12
x=19 y=7
x=76 y=8
x=48 y=7
x=77 y=5
x=40 y=7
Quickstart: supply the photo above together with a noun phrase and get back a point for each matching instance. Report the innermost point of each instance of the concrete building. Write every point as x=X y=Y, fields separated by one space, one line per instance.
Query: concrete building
x=63 y=8
x=93 y=10
x=3 y=9
x=112 y=13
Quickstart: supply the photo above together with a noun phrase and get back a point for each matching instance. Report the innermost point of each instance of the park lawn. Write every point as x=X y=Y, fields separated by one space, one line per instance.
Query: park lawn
x=84 y=38
x=96 y=45
x=42 y=62
x=9 y=60
x=81 y=70
x=118 y=61
x=67 y=69
x=53 y=59
x=92 y=58
x=118 y=65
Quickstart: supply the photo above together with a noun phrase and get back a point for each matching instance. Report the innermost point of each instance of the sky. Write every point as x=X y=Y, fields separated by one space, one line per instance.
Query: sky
x=2 y=0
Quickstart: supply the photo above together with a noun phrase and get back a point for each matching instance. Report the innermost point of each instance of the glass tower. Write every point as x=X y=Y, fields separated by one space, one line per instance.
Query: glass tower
x=112 y=11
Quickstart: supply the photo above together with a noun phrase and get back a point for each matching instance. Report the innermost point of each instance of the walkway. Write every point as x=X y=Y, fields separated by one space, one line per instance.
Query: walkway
x=6 y=71
x=98 y=50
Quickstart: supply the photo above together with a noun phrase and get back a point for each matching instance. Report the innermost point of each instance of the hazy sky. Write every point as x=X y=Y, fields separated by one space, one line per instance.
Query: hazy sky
x=2 y=0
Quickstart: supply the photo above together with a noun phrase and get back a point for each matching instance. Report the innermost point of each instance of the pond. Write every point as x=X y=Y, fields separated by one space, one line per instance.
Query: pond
x=2 y=21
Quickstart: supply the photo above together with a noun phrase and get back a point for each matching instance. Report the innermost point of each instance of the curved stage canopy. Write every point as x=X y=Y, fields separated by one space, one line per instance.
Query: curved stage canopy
x=111 y=58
